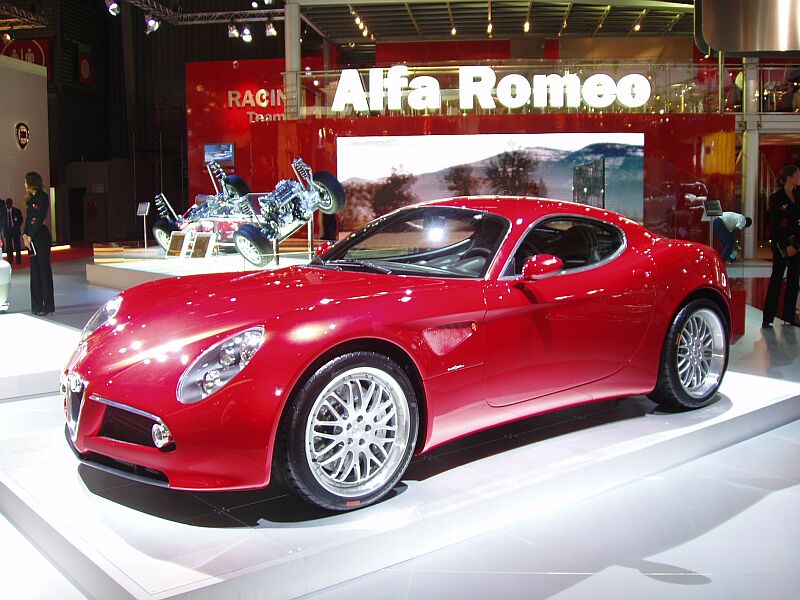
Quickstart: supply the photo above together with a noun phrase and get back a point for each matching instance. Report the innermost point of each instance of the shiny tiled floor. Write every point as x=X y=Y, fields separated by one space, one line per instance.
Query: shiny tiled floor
x=725 y=526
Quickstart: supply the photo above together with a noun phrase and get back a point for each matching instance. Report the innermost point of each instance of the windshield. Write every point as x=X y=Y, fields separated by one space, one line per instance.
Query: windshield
x=441 y=241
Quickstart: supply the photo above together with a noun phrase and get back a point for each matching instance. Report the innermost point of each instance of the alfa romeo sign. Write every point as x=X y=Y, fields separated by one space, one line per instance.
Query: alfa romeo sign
x=479 y=84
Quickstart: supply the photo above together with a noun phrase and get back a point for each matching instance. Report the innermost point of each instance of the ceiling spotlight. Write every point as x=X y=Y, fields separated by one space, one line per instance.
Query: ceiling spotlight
x=358 y=20
x=113 y=7
x=526 y=27
x=267 y=2
x=365 y=33
x=489 y=28
x=637 y=27
x=246 y=35
x=270 y=30
x=151 y=24
x=233 y=31
x=361 y=25
x=254 y=4
x=453 y=31
x=8 y=36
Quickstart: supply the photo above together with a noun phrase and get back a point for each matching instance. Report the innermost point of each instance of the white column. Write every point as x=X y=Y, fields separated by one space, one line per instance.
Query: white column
x=750 y=158
x=291 y=82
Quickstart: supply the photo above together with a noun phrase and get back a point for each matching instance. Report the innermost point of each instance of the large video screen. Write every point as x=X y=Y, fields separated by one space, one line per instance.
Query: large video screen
x=381 y=173
x=221 y=153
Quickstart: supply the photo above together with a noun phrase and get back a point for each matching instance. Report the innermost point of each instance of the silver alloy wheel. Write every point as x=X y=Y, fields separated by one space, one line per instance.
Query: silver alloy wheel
x=325 y=198
x=357 y=432
x=249 y=250
x=163 y=238
x=701 y=352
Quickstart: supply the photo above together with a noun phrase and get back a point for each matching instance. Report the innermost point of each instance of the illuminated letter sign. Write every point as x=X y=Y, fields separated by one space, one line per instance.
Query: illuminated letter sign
x=389 y=88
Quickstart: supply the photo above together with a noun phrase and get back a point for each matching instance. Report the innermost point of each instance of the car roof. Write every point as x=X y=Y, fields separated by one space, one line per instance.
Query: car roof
x=526 y=208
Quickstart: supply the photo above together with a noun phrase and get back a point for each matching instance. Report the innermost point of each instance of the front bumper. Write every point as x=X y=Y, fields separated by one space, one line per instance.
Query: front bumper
x=224 y=443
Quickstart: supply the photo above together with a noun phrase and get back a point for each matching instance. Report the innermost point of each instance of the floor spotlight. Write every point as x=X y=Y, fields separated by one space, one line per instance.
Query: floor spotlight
x=270 y=30
x=151 y=24
x=113 y=7
x=233 y=31
x=246 y=35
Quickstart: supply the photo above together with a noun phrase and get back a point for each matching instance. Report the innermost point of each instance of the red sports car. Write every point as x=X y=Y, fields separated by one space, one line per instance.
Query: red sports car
x=432 y=322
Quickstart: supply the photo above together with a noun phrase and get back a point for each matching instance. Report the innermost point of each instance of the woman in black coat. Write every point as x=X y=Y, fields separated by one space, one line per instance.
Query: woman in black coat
x=785 y=218
x=36 y=238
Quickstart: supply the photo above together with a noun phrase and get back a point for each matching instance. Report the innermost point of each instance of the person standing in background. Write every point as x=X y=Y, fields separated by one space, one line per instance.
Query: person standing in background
x=725 y=229
x=38 y=241
x=785 y=219
x=11 y=230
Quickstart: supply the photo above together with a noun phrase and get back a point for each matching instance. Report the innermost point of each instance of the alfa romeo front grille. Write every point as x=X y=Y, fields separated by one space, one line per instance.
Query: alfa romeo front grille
x=73 y=389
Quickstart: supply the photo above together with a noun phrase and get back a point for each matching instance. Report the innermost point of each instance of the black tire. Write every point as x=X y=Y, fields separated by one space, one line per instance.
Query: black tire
x=253 y=245
x=235 y=186
x=162 y=230
x=332 y=196
x=695 y=349
x=362 y=446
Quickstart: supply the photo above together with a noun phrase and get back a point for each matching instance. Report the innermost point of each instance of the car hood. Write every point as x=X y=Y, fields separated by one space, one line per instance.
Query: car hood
x=170 y=322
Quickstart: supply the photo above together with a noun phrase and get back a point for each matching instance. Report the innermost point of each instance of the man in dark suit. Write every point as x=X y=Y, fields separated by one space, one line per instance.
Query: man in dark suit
x=11 y=230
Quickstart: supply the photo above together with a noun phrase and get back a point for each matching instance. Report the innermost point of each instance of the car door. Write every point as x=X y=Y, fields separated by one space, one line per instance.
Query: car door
x=578 y=326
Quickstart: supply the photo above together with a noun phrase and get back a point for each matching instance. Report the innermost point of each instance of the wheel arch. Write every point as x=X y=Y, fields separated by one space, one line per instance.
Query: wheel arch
x=714 y=296
x=379 y=346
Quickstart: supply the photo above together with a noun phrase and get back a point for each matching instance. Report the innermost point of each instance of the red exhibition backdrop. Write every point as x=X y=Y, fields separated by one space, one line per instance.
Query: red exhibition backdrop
x=222 y=98
x=239 y=102
x=393 y=53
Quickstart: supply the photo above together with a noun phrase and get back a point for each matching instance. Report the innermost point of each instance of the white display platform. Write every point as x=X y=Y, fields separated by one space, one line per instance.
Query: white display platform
x=126 y=273
x=37 y=350
x=117 y=539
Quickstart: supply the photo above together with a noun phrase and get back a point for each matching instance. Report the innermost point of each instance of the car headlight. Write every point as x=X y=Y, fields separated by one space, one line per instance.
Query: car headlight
x=218 y=365
x=104 y=314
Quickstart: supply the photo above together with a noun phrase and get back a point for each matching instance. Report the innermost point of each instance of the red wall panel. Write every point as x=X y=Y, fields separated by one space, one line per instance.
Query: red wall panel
x=392 y=53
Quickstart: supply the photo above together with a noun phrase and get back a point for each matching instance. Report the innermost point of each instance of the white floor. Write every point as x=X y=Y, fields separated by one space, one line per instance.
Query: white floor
x=721 y=526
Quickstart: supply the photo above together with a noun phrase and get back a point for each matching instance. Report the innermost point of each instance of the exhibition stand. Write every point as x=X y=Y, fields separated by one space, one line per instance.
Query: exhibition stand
x=115 y=538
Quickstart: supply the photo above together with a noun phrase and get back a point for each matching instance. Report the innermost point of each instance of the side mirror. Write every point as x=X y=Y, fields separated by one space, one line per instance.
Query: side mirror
x=323 y=248
x=541 y=266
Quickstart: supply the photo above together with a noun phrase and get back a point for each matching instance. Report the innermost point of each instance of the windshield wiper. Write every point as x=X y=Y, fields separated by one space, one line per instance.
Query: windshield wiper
x=360 y=263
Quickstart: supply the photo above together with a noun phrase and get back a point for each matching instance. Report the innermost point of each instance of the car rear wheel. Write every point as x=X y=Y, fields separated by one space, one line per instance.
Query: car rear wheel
x=253 y=245
x=162 y=231
x=332 y=195
x=350 y=432
x=694 y=357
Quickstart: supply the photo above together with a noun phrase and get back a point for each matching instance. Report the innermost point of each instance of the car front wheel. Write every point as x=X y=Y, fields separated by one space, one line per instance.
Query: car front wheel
x=349 y=434
x=694 y=357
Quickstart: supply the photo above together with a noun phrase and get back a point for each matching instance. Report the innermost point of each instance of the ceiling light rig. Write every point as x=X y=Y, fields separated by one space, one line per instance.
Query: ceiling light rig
x=526 y=26
x=151 y=24
x=113 y=7
x=489 y=26
x=247 y=36
x=452 y=21
x=637 y=26
x=603 y=18
x=566 y=18
x=361 y=24
x=270 y=30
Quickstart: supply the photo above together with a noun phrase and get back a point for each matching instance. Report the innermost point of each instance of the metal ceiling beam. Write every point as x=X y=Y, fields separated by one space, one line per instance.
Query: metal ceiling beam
x=413 y=20
x=238 y=16
x=19 y=18
x=652 y=4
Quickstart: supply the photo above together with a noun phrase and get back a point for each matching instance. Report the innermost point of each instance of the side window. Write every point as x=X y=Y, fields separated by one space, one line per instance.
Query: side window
x=577 y=242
